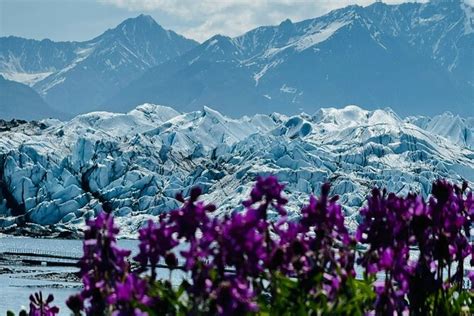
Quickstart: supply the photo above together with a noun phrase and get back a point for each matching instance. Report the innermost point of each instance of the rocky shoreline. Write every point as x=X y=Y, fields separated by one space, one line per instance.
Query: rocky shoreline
x=38 y=231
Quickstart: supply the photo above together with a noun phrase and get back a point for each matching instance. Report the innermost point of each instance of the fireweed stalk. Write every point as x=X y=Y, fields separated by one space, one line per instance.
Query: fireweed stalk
x=243 y=263
x=109 y=287
x=39 y=307
x=439 y=229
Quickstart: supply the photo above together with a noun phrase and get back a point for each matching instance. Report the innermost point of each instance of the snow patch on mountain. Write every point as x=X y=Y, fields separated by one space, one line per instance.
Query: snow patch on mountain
x=265 y=68
x=59 y=77
x=469 y=21
x=317 y=35
x=26 y=78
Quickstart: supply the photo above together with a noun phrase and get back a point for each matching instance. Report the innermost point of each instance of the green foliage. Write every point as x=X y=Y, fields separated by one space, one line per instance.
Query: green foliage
x=293 y=297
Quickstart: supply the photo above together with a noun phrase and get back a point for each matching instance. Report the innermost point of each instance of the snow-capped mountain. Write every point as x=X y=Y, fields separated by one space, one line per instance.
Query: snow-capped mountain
x=77 y=77
x=29 y=61
x=417 y=58
x=60 y=173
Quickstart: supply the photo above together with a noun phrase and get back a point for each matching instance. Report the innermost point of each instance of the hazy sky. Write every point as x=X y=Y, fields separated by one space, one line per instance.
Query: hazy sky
x=198 y=19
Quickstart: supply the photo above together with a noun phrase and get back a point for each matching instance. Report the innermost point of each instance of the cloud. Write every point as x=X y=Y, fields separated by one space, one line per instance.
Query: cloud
x=204 y=18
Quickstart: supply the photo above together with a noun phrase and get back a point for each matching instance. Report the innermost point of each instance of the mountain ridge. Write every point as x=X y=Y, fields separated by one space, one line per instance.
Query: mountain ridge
x=413 y=57
x=359 y=55
x=79 y=78
x=19 y=101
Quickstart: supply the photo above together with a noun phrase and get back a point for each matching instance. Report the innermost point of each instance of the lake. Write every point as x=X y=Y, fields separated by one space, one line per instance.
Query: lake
x=16 y=287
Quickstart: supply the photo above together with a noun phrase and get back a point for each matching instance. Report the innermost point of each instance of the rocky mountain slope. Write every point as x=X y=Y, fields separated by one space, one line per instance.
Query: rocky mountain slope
x=59 y=173
x=76 y=77
x=417 y=58
x=19 y=101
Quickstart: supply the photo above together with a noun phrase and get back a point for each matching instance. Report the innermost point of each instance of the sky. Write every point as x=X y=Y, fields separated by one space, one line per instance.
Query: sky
x=79 y=20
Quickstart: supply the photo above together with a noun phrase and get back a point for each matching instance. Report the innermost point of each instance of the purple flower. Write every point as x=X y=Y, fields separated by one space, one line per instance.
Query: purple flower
x=451 y=213
x=234 y=296
x=268 y=192
x=387 y=258
x=386 y=229
x=191 y=216
x=325 y=242
x=438 y=228
x=235 y=261
x=38 y=307
x=156 y=240
x=131 y=291
x=103 y=265
x=242 y=244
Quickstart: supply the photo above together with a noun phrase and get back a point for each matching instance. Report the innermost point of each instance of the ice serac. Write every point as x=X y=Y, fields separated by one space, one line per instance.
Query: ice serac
x=61 y=173
x=459 y=130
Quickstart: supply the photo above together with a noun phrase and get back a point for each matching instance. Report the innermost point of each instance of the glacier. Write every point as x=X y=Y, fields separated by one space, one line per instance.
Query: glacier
x=55 y=174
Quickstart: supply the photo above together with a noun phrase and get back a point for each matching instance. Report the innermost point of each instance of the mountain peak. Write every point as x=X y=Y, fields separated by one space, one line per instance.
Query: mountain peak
x=286 y=23
x=221 y=45
x=140 y=28
x=146 y=19
x=142 y=20
x=286 y=26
